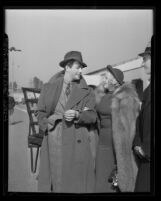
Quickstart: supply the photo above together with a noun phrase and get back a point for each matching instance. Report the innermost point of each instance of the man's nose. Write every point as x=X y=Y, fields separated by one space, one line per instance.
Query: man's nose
x=80 y=70
x=143 y=64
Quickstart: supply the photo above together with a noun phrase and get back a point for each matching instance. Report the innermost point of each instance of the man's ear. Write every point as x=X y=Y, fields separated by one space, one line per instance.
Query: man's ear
x=65 y=68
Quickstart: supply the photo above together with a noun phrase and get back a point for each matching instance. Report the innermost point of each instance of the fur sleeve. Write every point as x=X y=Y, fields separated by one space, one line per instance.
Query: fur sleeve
x=42 y=114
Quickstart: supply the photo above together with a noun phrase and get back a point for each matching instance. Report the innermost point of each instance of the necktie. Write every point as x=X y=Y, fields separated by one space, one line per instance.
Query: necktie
x=68 y=90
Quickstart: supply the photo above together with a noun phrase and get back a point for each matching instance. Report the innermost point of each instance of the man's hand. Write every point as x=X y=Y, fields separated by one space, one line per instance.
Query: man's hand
x=69 y=115
x=138 y=150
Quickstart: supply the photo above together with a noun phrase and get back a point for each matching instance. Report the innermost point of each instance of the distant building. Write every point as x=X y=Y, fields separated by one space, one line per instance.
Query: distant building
x=18 y=96
x=94 y=79
x=132 y=69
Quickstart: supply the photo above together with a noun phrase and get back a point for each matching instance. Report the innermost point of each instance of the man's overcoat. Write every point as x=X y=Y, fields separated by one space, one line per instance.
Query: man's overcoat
x=78 y=166
x=143 y=139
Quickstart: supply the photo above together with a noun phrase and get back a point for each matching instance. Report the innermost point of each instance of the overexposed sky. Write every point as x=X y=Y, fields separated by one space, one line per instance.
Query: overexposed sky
x=44 y=36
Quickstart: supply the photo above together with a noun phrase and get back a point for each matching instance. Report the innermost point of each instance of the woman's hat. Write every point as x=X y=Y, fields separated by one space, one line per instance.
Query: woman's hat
x=118 y=74
x=72 y=55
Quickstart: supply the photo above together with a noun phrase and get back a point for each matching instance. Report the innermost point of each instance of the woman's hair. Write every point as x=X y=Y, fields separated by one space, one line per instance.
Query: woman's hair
x=99 y=92
x=114 y=84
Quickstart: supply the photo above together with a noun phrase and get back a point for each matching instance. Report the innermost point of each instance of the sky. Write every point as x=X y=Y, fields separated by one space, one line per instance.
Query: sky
x=103 y=36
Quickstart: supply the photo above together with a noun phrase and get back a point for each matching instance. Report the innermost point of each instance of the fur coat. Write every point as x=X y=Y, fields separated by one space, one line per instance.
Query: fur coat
x=125 y=109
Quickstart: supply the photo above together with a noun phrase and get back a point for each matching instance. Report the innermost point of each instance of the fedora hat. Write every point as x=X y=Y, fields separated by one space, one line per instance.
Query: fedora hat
x=118 y=74
x=148 y=48
x=72 y=55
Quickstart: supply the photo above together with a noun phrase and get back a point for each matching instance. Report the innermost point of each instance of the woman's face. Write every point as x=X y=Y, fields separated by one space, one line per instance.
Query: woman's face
x=109 y=80
x=99 y=90
x=99 y=93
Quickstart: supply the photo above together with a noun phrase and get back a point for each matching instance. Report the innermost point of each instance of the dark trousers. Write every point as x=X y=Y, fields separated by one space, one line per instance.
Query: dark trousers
x=143 y=178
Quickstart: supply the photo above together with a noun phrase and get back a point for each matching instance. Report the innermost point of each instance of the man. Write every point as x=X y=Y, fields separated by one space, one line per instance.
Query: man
x=142 y=139
x=65 y=114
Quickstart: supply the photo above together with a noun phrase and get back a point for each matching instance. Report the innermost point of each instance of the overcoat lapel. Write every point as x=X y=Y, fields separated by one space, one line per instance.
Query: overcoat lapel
x=54 y=94
x=77 y=94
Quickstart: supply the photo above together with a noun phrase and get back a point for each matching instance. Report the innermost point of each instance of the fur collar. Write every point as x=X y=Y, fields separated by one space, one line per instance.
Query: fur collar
x=126 y=90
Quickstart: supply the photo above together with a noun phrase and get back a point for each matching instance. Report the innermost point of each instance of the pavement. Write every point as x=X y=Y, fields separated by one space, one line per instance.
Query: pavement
x=20 y=177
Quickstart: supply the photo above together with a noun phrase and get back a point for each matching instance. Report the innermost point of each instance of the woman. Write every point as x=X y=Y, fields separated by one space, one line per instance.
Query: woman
x=117 y=110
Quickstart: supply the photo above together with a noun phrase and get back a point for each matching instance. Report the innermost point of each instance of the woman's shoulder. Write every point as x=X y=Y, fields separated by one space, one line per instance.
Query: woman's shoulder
x=125 y=96
x=105 y=100
x=125 y=90
x=108 y=95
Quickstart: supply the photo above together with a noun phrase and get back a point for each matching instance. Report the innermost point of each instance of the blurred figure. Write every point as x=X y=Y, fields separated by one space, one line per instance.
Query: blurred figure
x=142 y=139
x=117 y=108
x=12 y=104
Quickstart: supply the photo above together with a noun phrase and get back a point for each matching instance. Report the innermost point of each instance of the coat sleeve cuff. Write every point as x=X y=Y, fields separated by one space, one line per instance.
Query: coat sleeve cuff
x=86 y=117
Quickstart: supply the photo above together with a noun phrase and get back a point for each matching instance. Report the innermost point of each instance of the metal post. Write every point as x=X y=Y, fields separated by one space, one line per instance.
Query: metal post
x=12 y=71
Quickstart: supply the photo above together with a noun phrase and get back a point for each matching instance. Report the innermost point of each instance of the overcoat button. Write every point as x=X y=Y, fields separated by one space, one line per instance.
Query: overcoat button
x=79 y=141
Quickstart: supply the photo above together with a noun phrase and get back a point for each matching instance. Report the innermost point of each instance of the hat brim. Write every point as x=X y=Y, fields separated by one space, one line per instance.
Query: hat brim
x=64 y=62
x=143 y=54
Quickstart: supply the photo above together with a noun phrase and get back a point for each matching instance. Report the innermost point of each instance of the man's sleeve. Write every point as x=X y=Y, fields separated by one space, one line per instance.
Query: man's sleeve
x=137 y=139
x=88 y=115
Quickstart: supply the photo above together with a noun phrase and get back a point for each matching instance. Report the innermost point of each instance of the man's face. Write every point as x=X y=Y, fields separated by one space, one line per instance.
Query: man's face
x=147 y=64
x=75 y=71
